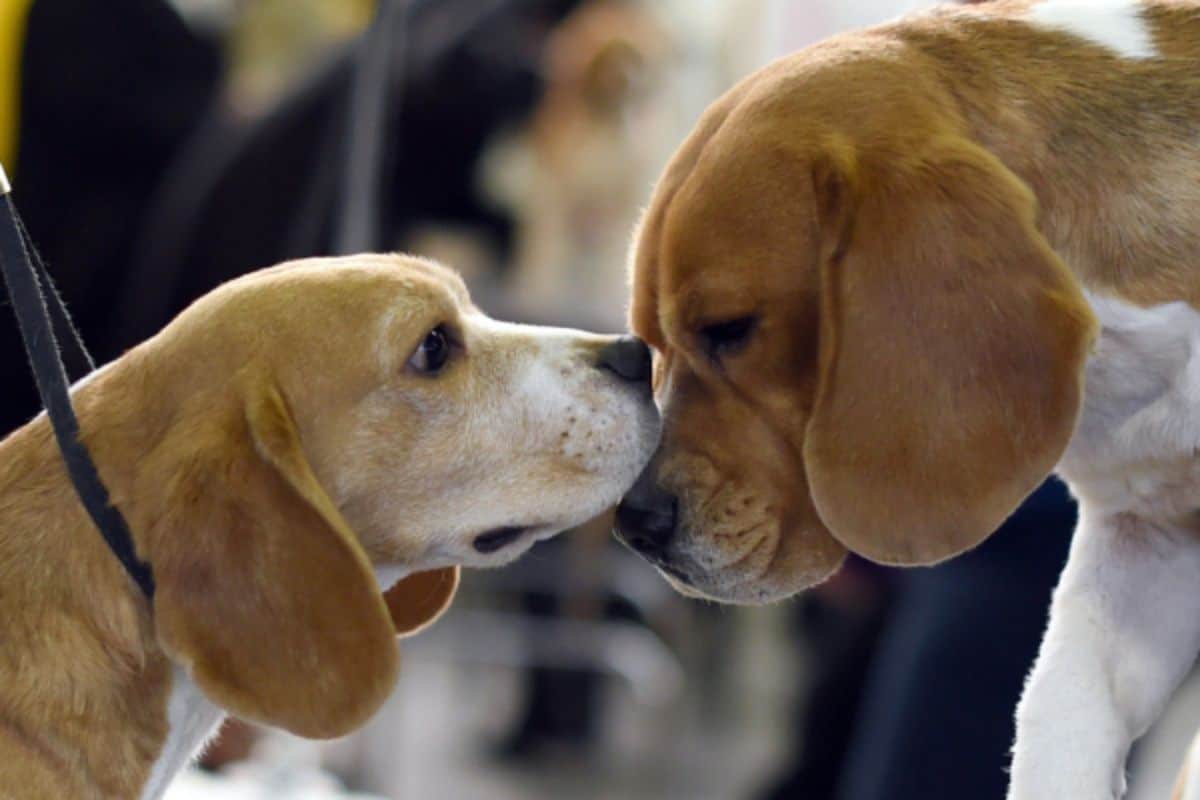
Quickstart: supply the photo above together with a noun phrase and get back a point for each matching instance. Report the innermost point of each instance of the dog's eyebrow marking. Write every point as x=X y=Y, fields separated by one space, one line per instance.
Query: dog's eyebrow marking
x=1116 y=24
x=392 y=319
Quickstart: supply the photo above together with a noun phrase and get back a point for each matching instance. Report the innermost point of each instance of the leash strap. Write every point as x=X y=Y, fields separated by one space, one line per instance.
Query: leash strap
x=29 y=288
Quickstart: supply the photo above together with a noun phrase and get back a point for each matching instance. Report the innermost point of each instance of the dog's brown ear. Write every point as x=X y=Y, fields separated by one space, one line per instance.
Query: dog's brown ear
x=263 y=591
x=417 y=600
x=952 y=349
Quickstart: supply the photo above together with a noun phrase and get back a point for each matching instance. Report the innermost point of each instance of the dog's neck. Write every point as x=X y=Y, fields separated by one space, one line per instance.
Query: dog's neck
x=1134 y=449
x=80 y=659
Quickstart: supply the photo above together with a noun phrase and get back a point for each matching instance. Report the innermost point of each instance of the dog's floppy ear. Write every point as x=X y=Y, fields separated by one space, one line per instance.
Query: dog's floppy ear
x=264 y=593
x=417 y=600
x=952 y=350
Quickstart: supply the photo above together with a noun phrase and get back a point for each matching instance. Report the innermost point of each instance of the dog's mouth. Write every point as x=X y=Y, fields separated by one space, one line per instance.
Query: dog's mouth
x=666 y=565
x=684 y=583
x=499 y=538
x=674 y=572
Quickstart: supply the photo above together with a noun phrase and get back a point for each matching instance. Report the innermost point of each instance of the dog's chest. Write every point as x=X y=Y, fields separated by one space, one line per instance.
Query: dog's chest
x=192 y=721
x=1135 y=448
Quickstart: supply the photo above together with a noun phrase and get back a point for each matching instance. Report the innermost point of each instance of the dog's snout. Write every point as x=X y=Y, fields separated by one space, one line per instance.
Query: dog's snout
x=646 y=518
x=628 y=357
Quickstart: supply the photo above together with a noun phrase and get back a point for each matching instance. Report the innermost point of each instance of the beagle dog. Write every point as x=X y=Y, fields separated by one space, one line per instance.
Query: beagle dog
x=895 y=280
x=280 y=446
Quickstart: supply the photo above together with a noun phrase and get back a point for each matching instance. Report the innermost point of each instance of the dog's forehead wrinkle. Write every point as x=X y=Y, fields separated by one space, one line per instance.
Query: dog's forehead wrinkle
x=444 y=276
x=398 y=315
x=543 y=335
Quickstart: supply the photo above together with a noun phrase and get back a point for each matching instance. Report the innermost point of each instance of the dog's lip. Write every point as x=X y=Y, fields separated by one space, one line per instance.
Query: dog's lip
x=674 y=572
x=668 y=567
x=499 y=538
x=664 y=563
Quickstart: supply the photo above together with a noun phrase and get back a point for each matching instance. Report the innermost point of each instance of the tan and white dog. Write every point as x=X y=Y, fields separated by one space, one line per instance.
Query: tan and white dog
x=285 y=435
x=893 y=282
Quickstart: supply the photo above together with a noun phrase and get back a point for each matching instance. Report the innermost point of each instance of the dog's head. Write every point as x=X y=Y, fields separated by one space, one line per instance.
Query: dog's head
x=862 y=340
x=316 y=420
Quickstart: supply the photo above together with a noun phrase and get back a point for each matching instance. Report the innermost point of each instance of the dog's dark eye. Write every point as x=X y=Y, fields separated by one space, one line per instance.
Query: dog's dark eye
x=721 y=338
x=433 y=352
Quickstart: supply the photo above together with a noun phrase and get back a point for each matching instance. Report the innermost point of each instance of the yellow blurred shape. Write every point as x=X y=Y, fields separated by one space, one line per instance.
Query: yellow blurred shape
x=13 y=16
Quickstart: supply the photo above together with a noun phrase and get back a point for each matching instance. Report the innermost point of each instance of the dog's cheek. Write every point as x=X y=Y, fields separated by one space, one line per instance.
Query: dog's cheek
x=721 y=516
x=692 y=479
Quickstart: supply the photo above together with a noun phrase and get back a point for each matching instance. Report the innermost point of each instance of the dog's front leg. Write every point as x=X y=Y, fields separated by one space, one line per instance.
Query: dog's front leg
x=1124 y=629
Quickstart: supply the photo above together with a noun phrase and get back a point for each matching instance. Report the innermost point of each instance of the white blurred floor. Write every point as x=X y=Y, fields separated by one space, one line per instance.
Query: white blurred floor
x=431 y=740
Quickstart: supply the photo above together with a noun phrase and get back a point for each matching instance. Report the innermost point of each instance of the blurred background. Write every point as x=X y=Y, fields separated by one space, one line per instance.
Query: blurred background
x=159 y=148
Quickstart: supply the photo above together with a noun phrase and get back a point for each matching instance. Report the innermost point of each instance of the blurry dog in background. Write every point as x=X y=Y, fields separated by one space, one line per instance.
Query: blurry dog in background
x=575 y=175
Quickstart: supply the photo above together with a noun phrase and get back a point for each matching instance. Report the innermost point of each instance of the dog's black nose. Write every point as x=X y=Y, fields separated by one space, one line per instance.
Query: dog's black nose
x=628 y=357
x=646 y=518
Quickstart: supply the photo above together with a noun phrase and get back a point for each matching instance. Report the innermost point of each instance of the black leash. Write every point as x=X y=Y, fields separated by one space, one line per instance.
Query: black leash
x=30 y=288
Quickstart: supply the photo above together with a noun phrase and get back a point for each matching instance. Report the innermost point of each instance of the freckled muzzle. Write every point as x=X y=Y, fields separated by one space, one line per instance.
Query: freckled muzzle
x=603 y=405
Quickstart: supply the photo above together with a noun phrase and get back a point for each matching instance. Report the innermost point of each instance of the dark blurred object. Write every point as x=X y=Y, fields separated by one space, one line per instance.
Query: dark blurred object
x=108 y=90
x=244 y=196
x=561 y=705
x=143 y=193
x=840 y=624
x=914 y=692
x=937 y=718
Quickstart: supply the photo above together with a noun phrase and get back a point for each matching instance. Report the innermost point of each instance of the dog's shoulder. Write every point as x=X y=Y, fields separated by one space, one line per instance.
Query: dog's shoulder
x=1136 y=443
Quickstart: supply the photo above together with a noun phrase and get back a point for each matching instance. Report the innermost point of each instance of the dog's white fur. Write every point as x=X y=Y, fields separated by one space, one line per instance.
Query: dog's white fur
x=193 y=721
x=1125 y=620
x=1115 y=24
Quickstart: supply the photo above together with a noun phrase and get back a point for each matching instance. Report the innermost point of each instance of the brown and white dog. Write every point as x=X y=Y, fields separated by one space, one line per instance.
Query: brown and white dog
x=893 y=282
x=281 y=438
